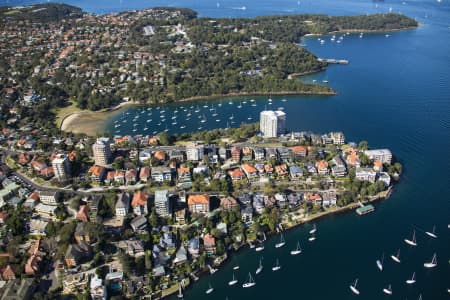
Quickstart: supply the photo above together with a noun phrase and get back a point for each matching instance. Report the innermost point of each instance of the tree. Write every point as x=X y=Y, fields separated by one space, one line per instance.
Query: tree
x=363 y=145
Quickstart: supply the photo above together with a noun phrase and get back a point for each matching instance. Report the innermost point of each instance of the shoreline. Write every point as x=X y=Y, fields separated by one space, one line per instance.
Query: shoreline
x=90 y=122
x=384 y=195
x=360 y=30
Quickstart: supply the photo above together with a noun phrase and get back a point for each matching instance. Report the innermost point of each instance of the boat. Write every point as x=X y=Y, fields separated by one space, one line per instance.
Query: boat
x=260 y=268
x=183 y=126
x=232 y=117
x=259 y=248
x=249 y=118
x=281 y=243
x=353 y=287
x=432 y=233
x=250 y=282
x=387 y=35
x=431 y=264
x=146 y=128
x=396 y=258
x=180 y=293
x=149 y=120
x=210 y=289
x=240 y=105
x=412 y=242
x=236 y=268
x=283 y=100
x=297 y=250
x=203 y=120
x=313 y=230
x=312 y=238
x=277 y=266
x=217 y=120
x=197 y=109
x=388 y=290
x=412 y=280
x=233 y=281
x=215 y=113
x=380 y=263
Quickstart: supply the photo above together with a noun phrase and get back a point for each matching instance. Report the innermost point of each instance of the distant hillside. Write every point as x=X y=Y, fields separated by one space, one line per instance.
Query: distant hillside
x=47 y=12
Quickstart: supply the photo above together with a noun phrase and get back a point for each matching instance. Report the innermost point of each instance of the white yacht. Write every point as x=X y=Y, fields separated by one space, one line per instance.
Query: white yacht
x=297 y=250
x=388 y=290
x=380 y=263
x=432 y=233
x=313 y=230
x=353 y=287
x=210 y=289
x=412 y=241
x=251 y=282
x=281 y=243
x=260 y=267
x=312 y=238
x=396 y=258
x=431 y=264
x=233 y=281
x=412 y=280
x=259 y=248
x=277 y=266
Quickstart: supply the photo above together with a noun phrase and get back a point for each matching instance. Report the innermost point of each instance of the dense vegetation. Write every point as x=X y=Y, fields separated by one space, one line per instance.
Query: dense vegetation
x=48 y=12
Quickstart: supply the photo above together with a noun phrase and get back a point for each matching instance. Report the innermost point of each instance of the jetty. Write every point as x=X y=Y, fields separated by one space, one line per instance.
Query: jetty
x=333 y=61
x=365 y=209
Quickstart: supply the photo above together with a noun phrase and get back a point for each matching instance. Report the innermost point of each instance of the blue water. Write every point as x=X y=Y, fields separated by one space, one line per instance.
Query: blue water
x=394 y=93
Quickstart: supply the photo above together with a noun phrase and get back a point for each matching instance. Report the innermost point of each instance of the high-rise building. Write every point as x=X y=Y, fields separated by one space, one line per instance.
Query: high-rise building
x=61 y=167
x=102 y=151
x=272 y=123
x=162 y=205
x=194 y=151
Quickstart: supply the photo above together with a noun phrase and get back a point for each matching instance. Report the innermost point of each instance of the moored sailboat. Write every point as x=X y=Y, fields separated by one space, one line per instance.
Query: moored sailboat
x=281 y=243
x=431 y=264
x=277 y=266
x=412 y=242
x=297 y=250
x=210 y=289
x=251 y=282
x=380 y=263
x=432 y=233
x=396 y=258
x=388 y=290
x=233 y=281
x=260 y=267
x=353 y=287
x=412 y=280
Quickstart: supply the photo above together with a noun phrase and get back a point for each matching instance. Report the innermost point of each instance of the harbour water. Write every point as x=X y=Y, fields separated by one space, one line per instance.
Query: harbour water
x=395 y=93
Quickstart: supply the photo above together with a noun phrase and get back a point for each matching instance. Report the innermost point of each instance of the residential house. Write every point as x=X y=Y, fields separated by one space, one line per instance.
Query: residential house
x=81 y=233
x=236 y=174
x=281 y=200
x=209 y=243
x=194 y=246
x=7 y=273
x=294 y=200
x=313 y=198
x=32 y=200
x=144 y=174
x=162 y=203
x=236 y=153
x=378 y=166
x=383 y=155
x=97 y=289
x=180 y=216
x=250 y=171
x=49 y=197
x=130 y=176
x=366 y=174
x=199 y=204
x=329 y=198
x=83 y=213
x=258 y=203
x=44 y=210
x=22 y=289
x=322 y=167
x=97 y=173
x=247 y=154
x=295 y=172
x=259 y=153
x=77 y=253
x=353 y=160
x=281 y=170
x=134 y=248
x=184 y=175
x=247 y=214
x=228 y=203
x=338 y=138
x=383 y=176
x=299 y=152
x=139 y=203
x=311 y=168
x=161 y=174
x=122 y=205
x=180 y=256
x=139 y=223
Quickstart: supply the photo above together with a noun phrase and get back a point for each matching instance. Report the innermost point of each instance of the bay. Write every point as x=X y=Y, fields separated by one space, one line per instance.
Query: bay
x=394 y=93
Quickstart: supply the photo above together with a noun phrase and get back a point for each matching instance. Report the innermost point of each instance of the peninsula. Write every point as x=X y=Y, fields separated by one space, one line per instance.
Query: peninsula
x=132 y=216
x=54 y=55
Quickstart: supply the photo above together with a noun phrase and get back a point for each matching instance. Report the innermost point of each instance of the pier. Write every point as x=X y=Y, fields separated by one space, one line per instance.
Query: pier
x=334 y=61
